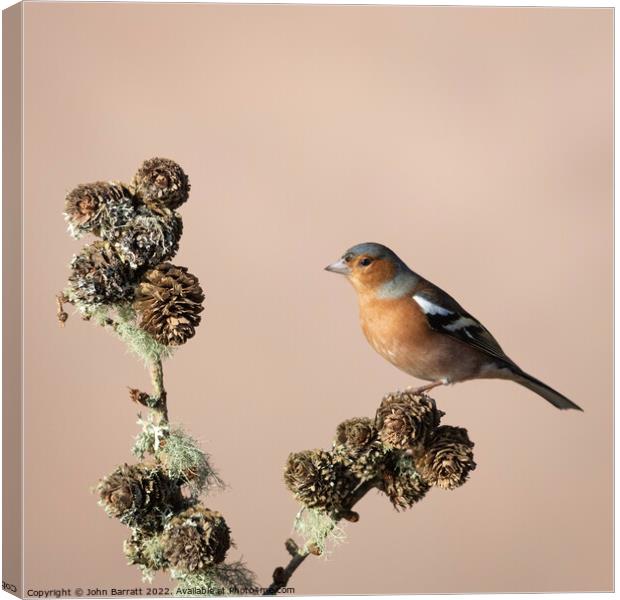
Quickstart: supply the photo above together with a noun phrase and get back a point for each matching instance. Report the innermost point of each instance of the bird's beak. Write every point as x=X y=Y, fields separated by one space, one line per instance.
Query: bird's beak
x=339 y=267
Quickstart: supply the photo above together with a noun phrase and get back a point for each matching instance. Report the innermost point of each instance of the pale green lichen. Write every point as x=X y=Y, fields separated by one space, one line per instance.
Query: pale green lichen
x=183 y=459
x=153 y=553
x=96 y=312
x=224 y=579
x=122 y=319
x=318 y=529
x=136 y=339
x=149 y=440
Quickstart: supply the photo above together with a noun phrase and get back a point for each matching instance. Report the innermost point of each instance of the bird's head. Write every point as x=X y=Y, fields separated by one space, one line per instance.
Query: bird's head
x=368 y=266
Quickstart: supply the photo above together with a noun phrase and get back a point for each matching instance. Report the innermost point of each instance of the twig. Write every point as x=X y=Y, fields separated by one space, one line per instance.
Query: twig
x=282 y=575
x=160 y=406
x=61 y=315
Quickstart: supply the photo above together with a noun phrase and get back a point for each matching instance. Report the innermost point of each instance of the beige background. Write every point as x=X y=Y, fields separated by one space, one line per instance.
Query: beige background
x=475 y=142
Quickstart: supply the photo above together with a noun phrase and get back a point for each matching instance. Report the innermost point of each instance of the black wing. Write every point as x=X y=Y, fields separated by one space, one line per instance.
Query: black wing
x=445 y=315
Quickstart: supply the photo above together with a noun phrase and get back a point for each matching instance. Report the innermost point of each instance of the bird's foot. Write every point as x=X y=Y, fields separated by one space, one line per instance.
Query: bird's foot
x=416 y=391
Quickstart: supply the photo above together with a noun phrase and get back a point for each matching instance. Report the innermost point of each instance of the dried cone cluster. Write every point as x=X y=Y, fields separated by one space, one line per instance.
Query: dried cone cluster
x=148 y=239
x=169 y=530
x=357 y=447
x=139 y=495
x=402 y=452
x=318 y=480
x=99 y=276
x=140 y=231
x=405 y=420
x=400 y=481
x=196 y=539
x=97 y=207
x=169 y=302
x=162 y=184
x=447 y=458
x=124 y=279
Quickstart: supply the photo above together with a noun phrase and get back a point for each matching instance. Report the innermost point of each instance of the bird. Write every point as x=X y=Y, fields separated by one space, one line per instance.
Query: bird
x=424 y=331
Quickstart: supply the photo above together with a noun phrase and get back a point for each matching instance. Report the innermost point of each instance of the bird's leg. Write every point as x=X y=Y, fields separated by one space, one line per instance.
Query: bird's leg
x=425 y=388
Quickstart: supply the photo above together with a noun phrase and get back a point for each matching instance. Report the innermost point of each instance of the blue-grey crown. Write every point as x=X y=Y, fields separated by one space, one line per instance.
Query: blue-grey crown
x=371 y=249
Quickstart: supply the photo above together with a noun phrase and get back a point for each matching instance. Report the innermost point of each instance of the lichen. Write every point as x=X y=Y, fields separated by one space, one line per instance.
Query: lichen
x=152 y=550
x=318 y=529
x=122 y=320
x=183 y=459
x=225 y=579
x=137 y=340
x=149 y=440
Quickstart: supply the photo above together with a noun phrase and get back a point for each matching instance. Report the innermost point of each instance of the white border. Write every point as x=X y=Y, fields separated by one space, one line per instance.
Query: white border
x=518 y=3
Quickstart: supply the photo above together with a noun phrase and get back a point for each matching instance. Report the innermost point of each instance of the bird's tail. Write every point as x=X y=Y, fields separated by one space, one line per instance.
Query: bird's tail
x=542 y=389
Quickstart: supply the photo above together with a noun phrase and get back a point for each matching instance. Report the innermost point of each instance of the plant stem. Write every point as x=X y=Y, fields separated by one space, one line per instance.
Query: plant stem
x=161 y=405
x=282 y=575
x=61 y=315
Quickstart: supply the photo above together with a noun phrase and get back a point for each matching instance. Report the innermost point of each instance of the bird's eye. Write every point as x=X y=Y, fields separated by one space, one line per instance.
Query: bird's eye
x=365 y=261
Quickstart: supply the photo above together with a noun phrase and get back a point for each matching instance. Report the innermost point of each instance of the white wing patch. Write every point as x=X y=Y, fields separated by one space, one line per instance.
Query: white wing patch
x=462 y=323
x=464 y=327
x=431 y=309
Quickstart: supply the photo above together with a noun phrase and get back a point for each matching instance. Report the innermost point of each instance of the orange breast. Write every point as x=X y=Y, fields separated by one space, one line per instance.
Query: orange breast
x=397 y=329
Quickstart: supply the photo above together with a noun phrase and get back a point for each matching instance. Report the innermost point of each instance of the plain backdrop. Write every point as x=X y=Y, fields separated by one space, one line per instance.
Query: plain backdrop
x=476 y=142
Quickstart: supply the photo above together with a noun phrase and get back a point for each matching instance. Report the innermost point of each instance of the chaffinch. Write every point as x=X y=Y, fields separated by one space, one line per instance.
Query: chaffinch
x=422 y=330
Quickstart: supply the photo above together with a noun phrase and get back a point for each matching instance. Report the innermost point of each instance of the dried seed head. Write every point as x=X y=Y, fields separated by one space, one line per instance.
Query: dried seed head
x=147 y=239
x=195 y=539
x=356 y=434
x=161 y=184
x=401 y=482
x=169 y=302
x=99 y=277
x=448 y=458
x=139 y=496
x=93 y=207
x=358 y=448
x=317 y=480
x=405 y=419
